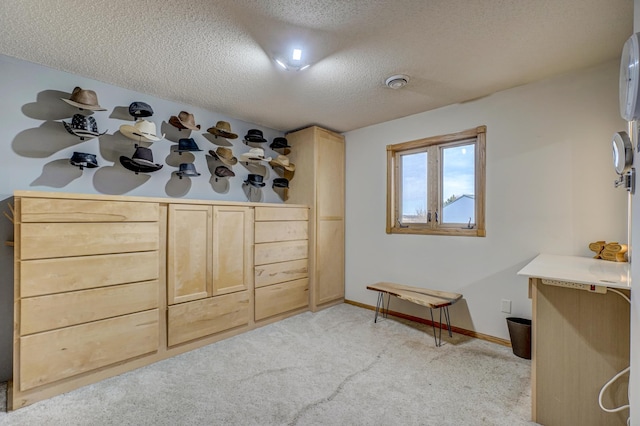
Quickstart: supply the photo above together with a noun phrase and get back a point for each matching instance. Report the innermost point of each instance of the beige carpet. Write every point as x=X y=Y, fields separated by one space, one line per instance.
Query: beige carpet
x=334 y=367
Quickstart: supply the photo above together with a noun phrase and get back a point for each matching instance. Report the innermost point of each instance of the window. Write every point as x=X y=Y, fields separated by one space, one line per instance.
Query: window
x=437 y=185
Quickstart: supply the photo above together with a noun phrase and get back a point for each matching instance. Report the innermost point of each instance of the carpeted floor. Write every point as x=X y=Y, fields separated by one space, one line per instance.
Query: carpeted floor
x=334 y=367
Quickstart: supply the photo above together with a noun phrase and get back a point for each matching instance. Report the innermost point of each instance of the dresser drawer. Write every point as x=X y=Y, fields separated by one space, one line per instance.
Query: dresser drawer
x=45 y=313
x=281 y=251
x=49 y=240
x=279 y=298
x=274 y=273
x=48 y=276
x=192 y=320
x=60 y=210
x=266 y=232
x=281 y=213
x=67 y=352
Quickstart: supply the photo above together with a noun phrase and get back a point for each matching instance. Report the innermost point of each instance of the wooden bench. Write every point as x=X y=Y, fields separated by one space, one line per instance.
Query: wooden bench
x=432 y=299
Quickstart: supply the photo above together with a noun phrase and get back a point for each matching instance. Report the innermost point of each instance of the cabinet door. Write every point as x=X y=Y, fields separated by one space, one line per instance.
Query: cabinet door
x=188 y=253
x=329 y=261
x=232 y=249
x=330 y=176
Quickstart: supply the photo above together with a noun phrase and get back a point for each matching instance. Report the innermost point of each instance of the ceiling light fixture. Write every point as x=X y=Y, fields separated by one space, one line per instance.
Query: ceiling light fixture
x=397 y=81
x=293 y=64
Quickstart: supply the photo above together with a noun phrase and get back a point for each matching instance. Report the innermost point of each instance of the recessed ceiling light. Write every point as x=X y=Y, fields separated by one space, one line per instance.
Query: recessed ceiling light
x=397 y=81
x=297 y=54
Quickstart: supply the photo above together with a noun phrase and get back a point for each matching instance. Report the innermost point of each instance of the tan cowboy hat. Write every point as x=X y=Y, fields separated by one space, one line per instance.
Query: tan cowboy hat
x=254 y=154
x=282 y=161
x=84 y=99
x=225 y=155
x=184 y=120
x=222 y=129
x=143 y=130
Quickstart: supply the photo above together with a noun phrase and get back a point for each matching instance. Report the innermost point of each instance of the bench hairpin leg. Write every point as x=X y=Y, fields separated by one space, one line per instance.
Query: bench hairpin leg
x=380 y=301
x=386 y=314
x=447 y=318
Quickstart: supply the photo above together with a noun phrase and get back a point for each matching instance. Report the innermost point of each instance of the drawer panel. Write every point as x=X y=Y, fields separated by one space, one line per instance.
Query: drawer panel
x=58 y=210
x=48 y=276
x=192 y=320
x=266 y=232
x=279 y=298
x=281 y=251
x=274 y=273
x=65 y=309
x=281 y=213
x=48 y=240
x=55 y=355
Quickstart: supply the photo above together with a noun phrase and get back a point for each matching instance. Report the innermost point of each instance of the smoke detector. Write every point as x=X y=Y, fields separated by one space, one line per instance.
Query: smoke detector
x=397 y=81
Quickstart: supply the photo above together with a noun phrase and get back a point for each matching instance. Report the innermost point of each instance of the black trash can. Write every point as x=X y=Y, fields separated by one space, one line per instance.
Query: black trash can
x=520 y=334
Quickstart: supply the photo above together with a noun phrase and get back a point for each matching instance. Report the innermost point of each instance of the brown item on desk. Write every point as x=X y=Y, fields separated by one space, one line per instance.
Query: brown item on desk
x=597 y=247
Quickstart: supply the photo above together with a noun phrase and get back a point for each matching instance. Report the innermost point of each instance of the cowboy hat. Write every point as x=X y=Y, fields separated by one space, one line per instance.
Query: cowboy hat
x=222 y=129
x=254 y=135
x=141 y=161
x=224 y=171
x=187 y=169
x=84 y=99
x=142 y=130
x=254 y=154
x=184 y=120
x=83 y=126
x=282 y=161
x=185 y=145
x=255 y=180
x=224 y=154
x=281 y=183
x=140 y=109
x=82 y=160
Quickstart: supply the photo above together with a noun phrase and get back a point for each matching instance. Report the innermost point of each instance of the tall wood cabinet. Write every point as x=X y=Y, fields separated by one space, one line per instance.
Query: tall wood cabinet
x=319 y=156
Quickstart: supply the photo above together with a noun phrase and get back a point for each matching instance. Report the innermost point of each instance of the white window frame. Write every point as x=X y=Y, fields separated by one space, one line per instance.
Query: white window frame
x=434 y=147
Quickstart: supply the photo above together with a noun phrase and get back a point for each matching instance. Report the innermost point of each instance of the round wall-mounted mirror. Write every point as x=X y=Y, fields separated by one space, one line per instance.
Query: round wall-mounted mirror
x=622 y=152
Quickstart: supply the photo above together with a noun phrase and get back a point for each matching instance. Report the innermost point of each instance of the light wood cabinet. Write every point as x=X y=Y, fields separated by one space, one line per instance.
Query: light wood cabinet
x=209 y=255
x=94 y=271
x=319 y=156
x=281 y=264
x=87 y=278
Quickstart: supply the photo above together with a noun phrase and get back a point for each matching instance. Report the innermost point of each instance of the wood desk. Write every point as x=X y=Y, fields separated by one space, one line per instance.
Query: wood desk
x=580 y=339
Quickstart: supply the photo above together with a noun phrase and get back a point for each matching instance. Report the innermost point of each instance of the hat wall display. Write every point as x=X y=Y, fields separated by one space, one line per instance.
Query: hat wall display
x=282 y=161
x=142 y=130
x=141 y=161
x=185 y=145
x=82 y=160
x=255 y=180
x=225 y=155
x=140 y=109
x=254 y=135
x=254 y=154
x=281 y=183
x=279 y=142
x=224 y=171
x=184 y=120
x=187 y=169
x=83 y=127
x=84 y=99
x=222 y=129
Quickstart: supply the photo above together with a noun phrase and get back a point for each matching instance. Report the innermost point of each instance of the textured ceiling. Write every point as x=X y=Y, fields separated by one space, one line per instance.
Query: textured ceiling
x=217 y=54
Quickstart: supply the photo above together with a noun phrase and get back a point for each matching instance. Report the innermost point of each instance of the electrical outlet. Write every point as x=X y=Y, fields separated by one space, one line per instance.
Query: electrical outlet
x=506 y=306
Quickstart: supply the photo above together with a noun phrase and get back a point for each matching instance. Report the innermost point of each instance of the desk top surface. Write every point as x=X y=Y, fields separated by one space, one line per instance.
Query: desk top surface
x=579 y=269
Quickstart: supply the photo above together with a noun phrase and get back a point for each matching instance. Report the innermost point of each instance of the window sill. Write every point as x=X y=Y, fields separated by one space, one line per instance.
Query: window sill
x=460 y=232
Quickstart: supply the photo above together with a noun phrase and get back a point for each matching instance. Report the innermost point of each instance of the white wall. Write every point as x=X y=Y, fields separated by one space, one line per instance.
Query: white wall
x=35 y=149
x=549 y=190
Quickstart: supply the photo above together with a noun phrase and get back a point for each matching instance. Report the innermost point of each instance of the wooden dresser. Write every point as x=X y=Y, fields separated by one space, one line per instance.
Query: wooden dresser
x=107 y=284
